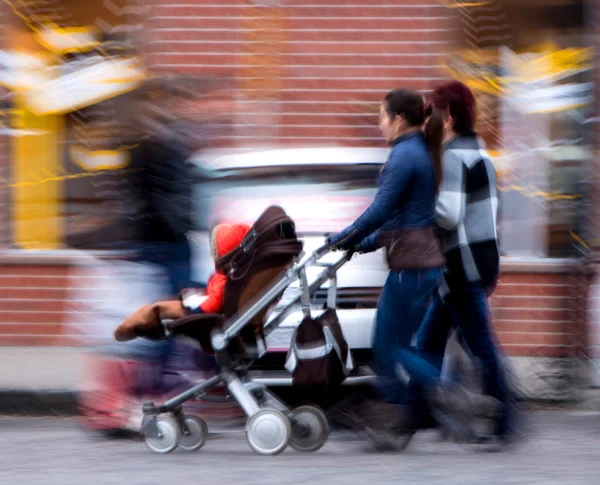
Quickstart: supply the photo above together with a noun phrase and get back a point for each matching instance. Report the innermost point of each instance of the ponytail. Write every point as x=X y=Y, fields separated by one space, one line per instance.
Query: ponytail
x=434 y=135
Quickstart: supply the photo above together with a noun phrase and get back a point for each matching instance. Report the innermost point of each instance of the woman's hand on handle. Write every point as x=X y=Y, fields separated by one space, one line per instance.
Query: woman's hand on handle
x=330 y=241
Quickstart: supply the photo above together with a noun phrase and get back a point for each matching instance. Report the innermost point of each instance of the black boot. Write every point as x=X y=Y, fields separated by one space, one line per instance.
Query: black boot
x=387 y=428
x=349 y=414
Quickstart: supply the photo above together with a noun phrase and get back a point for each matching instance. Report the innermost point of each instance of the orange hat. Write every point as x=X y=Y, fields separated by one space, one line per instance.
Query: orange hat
x=227 y=237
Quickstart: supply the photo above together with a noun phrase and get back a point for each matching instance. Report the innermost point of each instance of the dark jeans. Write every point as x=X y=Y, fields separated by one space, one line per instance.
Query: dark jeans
x=400 y=310
x=468 y=310
x=175 y=259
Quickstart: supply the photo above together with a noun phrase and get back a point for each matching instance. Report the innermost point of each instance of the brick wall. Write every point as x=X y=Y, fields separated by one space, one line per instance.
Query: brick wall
x=316 y=70
x=61 y=299
x=32 y=304
x=534 y=313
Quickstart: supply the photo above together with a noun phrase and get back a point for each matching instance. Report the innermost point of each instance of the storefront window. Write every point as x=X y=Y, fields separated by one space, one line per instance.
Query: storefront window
x=534 y=90
x=64 y=65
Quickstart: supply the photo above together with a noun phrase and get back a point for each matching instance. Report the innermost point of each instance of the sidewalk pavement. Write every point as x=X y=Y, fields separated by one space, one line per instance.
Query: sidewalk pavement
x=45 y=381
x=560 y=448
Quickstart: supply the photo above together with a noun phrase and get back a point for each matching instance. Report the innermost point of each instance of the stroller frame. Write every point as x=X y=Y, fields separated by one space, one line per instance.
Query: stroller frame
x=271 y=424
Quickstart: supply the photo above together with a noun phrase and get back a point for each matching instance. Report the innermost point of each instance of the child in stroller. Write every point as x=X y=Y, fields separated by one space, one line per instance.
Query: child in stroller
x=149 y=319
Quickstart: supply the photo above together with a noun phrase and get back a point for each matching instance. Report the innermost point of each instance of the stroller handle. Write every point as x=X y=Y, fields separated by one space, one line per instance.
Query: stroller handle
x=269 y=295
x=319 y=253
x=322 y=251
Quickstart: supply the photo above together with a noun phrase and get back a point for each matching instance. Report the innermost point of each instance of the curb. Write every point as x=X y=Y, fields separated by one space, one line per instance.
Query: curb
x=32 y=402
x=64 y=402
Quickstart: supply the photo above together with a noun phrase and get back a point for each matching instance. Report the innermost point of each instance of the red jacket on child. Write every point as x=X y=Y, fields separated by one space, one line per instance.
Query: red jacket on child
x=224 y=238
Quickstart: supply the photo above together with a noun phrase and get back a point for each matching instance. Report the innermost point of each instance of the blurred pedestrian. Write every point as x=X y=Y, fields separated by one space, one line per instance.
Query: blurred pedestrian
x=170 y=119
x=401 y=219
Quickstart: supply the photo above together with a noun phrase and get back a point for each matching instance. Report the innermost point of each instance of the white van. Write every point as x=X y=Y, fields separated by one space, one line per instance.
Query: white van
x=323 y=190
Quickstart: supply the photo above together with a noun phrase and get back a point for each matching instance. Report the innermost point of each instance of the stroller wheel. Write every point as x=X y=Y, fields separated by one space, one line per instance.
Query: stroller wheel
x=164 y=436
x=194 y=434
x=268 y=432
x=310 y=429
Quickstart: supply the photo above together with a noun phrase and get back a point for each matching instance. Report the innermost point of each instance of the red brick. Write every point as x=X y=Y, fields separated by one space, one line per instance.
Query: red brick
x=350 y=97
x=367 y=48
x=388 y=58
x=199 y=36
x=221 y=55
x=316 y=90
x=289 y=111
x=34 y=306
x=43 y=329
x=540 y=339
x=161 y=11
x=26 y=270
x=326 y=35
x=29 y=294
x=530 y=327
x=215 y=20
x=533 y=279
x=399 y=24
x=325 y=107
x=391 y=10
x=397 y=71
x=26 y=317
x=532 y=351
x=508 y=289
x=312 y=119
x=319 y=132
x=34 y=340
x=526 y=302
x=541 y=314
x=32 y=282
x=372 y=84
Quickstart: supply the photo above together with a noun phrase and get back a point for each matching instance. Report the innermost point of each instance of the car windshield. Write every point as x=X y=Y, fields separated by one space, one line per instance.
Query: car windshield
x=320 y=198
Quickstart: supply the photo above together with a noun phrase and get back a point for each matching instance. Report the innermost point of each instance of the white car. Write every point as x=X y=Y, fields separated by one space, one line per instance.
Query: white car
x=323 y=190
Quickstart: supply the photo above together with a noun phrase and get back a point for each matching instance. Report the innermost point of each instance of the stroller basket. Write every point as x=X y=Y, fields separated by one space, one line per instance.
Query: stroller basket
x=271 y=425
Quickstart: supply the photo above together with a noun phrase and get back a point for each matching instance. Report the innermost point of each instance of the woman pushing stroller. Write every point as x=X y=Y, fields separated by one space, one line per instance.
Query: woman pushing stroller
x=403 y=218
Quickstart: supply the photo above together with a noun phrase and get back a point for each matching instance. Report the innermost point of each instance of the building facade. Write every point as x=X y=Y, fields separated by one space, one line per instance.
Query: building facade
x=312 y=74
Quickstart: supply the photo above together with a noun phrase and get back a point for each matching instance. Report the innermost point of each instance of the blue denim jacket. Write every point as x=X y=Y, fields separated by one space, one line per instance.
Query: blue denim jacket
x=405 y=197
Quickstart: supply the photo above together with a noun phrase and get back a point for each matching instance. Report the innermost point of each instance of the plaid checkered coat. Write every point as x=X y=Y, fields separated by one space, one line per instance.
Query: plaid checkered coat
x=466 y=213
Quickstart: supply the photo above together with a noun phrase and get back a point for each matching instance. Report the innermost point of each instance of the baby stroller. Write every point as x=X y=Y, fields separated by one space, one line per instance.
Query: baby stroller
x=259 y=271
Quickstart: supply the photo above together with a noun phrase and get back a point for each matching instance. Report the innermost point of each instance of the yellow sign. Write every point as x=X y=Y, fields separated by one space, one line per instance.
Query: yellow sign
x=37 y=218
x=68 y=40
x=99 y=160
x=85 y=86
x=481 y=70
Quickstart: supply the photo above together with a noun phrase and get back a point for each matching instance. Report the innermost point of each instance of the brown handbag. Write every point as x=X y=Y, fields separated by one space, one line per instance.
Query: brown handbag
x=319 y=354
